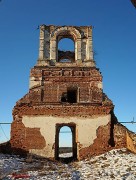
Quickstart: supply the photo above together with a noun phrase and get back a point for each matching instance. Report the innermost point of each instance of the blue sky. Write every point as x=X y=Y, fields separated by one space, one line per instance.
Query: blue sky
x=65 y=137
x=114 y=41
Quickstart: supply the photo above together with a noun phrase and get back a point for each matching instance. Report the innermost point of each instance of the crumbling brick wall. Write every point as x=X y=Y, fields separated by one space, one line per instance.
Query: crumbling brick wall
x=48 y=84
x=52 y=87
x=112 y=136
x=23 y=139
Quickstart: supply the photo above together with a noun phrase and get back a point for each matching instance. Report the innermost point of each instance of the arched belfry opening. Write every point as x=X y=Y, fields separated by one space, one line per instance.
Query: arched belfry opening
x=50 y=38
x=66 y=39
x=66 y=50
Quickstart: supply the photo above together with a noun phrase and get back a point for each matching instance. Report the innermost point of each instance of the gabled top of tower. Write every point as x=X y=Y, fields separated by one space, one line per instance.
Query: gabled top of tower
x=50 y=55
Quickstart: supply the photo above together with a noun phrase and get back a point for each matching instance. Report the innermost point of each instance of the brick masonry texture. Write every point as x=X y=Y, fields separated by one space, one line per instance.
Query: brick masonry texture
x=66 y=91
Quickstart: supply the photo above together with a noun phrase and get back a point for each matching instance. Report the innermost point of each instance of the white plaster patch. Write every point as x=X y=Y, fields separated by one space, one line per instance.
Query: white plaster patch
x=85 y=128
x=100 y=86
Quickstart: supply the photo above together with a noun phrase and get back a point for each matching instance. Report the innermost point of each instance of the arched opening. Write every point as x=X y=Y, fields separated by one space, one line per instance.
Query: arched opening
x=65 y=142
x=66 y=50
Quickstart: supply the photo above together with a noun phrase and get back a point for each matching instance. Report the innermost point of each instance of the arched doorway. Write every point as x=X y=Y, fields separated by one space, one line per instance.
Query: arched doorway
x=65 y=142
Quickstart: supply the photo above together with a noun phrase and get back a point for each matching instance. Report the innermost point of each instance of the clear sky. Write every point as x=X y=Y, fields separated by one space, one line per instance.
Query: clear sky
x=114 y=41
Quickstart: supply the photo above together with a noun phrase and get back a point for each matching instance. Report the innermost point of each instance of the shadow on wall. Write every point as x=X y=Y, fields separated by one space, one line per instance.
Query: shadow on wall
x=130 y=137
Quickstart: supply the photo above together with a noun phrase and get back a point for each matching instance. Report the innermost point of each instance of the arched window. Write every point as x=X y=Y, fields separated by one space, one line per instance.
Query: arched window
x=66 y=50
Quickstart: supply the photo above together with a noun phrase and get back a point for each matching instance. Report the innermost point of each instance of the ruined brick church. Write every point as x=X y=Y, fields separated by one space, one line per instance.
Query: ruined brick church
x=66 y=89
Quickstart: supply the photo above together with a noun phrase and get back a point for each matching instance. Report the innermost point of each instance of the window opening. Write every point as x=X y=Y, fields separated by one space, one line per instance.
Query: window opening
x=72 y=96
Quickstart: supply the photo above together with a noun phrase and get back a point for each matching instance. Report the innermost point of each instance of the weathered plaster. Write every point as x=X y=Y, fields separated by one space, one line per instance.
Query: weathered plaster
x=86 y=129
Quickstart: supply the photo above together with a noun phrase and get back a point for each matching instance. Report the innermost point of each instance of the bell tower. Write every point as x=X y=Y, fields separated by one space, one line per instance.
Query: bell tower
x=50 y=36
x=65 y=89
x=66 y=76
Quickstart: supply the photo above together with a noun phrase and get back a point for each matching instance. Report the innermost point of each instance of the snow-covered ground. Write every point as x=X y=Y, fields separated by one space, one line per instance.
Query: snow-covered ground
x=116 y=164
x=65 y=155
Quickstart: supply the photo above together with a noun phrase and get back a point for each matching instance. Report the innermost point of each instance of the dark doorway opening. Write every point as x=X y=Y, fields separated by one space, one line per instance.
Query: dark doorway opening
x=66 y=152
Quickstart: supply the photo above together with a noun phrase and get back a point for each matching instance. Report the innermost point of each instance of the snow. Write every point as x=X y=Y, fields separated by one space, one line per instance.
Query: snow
x=65 y=155
x=115 y=164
